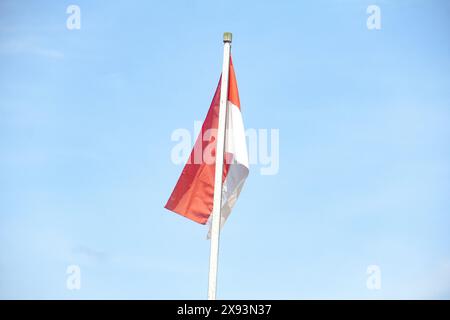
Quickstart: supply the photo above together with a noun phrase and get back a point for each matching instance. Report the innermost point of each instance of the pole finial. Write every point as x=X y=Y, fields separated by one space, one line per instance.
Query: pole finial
x=227 y=37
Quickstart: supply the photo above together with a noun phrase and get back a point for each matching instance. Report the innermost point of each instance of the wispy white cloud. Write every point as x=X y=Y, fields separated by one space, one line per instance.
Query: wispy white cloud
x=26 y=46
x=88 y=255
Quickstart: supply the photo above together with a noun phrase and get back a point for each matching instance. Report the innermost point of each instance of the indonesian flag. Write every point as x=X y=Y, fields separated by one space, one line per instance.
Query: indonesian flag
x=193 y=194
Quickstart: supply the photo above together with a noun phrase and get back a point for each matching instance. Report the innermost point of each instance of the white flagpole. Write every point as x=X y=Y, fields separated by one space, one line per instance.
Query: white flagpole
x=215 y=223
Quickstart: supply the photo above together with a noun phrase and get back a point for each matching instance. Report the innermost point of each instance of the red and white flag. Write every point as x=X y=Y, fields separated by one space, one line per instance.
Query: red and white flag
x=193 y=194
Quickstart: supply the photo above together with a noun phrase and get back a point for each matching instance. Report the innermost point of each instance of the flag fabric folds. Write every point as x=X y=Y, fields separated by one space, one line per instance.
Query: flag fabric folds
x=193 y=194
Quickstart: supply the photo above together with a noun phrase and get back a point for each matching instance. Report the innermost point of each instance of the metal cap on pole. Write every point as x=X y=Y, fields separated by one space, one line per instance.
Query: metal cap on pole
x=227 y=37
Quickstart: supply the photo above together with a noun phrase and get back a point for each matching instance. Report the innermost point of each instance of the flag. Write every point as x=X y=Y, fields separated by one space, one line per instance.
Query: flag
x=193 y=194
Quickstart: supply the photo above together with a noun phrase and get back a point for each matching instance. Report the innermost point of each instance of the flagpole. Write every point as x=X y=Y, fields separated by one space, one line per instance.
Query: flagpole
x=217 y=204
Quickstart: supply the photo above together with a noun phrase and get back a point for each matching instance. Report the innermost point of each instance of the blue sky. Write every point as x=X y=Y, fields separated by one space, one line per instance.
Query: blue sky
x=363 y=116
